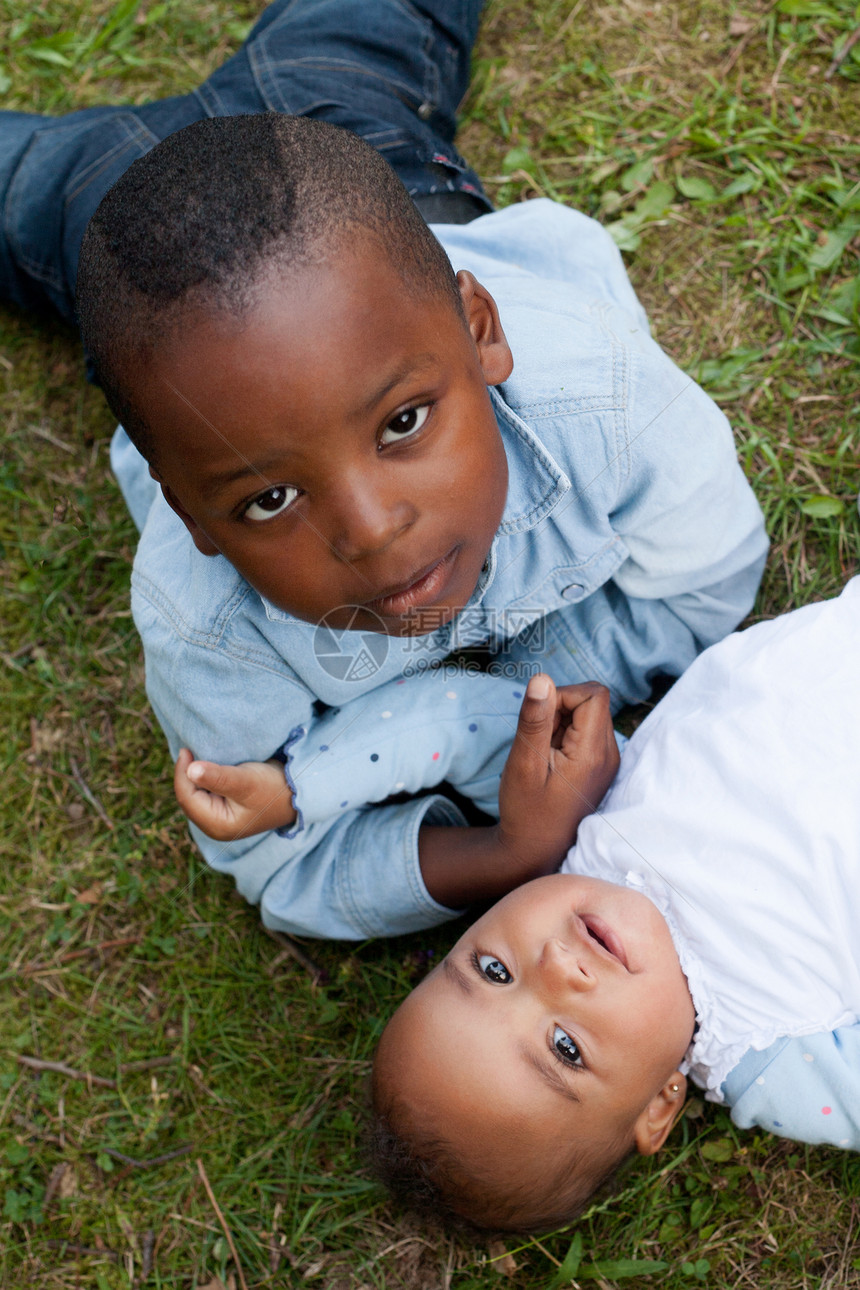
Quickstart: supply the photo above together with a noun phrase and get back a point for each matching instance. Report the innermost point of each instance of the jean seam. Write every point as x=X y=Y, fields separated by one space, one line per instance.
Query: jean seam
x=263 y=72
x=210 y=100
x=96 y=168
x=430 y=88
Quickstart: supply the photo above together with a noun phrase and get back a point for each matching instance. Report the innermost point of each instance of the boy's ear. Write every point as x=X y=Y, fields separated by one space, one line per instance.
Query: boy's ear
x=204 y=544
x=658 y=1119
x=482 y=316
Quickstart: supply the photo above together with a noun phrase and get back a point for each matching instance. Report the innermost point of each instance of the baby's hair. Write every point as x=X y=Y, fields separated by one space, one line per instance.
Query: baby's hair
x=197 y=221
x=427 y=1175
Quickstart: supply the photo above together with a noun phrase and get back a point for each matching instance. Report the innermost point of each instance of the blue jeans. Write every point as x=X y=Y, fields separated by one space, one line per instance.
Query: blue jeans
x=393 y=71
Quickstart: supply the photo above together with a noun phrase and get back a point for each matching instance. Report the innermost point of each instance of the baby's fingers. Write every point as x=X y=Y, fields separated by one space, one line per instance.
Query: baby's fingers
x=183 y=787
x=231 y=782
x=207 y=810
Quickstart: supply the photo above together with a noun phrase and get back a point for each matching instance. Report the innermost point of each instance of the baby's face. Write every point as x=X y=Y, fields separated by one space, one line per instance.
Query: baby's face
x=561 y=1014
x=338 y=445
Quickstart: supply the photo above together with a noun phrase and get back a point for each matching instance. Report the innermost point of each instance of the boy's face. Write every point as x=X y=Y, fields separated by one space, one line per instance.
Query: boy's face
x=559 y=1017
x=338 y=444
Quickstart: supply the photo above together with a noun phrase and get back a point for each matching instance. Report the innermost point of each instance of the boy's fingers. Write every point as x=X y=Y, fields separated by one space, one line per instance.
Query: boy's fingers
x=572 y=697
x=538 y=706
x=591 y=735
x=590 y=722
x=535 y=722
x=594 y=710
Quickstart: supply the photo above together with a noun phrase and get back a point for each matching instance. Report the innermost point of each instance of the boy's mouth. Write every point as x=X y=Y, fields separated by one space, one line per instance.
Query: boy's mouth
x=424 y=588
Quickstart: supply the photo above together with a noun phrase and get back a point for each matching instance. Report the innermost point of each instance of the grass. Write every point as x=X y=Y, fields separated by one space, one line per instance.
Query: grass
x=720 y=145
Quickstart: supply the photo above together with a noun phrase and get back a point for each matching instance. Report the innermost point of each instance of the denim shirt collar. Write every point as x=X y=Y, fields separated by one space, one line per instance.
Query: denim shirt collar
x=536 y=484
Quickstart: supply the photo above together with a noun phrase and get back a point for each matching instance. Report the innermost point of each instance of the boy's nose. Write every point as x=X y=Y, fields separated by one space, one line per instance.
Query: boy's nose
x=564 y=967
x=367 y=521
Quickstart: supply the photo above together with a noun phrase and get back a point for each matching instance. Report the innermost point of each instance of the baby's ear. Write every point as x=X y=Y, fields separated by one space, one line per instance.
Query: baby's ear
x=204 y=544
x=658 y=1119
x=482 y=316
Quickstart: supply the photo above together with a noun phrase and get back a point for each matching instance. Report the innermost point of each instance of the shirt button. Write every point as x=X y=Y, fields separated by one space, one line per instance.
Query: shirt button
x=573 y=593
x=425 y=111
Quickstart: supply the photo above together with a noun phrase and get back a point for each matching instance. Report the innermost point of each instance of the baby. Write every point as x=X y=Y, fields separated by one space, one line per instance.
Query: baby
x=704 y=926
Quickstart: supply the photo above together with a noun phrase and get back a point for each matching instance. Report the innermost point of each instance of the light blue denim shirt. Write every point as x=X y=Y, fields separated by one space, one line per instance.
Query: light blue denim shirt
x=630 y=541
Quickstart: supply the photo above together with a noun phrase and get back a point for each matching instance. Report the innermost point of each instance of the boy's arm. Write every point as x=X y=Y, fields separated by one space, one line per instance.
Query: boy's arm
x=694 y=533
x=561 y=763
x=655 y=478
x=346 y=869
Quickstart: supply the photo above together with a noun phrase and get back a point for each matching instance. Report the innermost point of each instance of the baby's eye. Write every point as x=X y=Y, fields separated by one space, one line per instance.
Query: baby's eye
x=493 y=969
x=271 y=503
x=565 y=1048
x=405 y=424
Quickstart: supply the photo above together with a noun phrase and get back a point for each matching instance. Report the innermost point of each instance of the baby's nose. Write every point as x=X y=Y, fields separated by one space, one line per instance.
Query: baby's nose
x=565 y=967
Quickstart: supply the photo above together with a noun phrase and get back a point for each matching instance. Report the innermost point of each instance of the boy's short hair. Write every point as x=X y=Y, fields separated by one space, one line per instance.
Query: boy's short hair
x=427 y=1174
x=197 y=221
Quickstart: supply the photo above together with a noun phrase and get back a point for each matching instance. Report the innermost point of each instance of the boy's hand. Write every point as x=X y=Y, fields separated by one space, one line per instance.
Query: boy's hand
x=230 y=802
x=563 y=759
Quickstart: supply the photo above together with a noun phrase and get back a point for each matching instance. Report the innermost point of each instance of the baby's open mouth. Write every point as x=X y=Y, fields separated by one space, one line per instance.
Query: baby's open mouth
x=605 y=938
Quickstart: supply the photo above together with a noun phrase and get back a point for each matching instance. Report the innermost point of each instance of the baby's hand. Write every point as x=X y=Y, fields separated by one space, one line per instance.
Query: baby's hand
x=230 y=802
x=563 y=759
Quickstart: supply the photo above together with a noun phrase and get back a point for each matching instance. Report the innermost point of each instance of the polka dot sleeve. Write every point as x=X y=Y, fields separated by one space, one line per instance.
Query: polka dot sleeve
x=806 y=1088
x=403 y=738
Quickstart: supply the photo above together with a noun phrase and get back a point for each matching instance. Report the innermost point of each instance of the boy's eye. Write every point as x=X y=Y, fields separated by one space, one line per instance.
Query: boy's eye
x=565 y=1048
x=271 y=503
x=493 y=969
x=405 y=424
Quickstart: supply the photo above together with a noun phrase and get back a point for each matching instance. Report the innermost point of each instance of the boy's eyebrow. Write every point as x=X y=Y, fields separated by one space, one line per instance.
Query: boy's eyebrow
x=457 y=975
x=548 y=1072
x=413 y=364
x=219 y=478
x=244 y=469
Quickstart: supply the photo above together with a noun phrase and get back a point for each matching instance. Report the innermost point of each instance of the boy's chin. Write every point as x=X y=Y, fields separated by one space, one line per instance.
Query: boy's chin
x=415 y=623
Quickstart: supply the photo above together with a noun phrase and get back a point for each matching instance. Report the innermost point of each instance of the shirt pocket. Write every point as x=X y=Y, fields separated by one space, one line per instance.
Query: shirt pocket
x=568 y=584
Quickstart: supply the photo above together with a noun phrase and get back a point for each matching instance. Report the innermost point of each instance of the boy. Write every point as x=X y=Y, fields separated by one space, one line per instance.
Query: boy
x=338 y=494
x=704 y=925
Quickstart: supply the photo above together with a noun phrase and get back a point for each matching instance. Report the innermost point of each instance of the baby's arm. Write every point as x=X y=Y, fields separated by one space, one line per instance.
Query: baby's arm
x=806 y=1088
x=346 y=867
x=230 y=802
x=563 y=758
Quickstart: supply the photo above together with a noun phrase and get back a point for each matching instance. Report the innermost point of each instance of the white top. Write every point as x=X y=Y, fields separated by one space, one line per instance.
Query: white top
x=737 y=812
